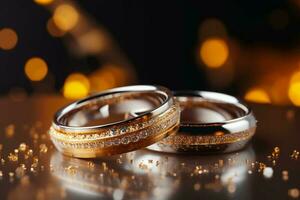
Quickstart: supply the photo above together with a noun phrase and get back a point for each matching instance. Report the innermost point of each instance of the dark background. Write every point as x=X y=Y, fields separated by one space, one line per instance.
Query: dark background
x=159 y=38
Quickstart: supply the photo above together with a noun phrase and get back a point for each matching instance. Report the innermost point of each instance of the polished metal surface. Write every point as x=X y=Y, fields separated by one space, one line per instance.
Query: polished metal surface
x=145 y=174
x=210 y=122
x=159 y=93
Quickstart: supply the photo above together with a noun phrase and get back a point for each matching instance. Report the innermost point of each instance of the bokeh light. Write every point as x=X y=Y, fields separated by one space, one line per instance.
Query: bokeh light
x=8 y=38
x=43 y=2
x=53 y=30
x=214 y=52
x=294 y=89
x=257 y=95
x=76 y=86
x=65 y=17
x=92 y=41
x=108 y=76
x=36 y=69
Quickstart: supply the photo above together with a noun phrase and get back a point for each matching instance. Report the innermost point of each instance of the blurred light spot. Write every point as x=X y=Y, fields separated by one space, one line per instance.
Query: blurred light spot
x=65 y=17
x=294 y=193
x=257 y=95
x=294 y=89
x=8 y=38
x=53 y=29
x=36 y=69
x=268 y=172
x=92 y=41
x=214 y=52
x=108 y=76
x=212 y=27
x=279 y=19
x=294 y=93
x=43 y=2
x=76 y=86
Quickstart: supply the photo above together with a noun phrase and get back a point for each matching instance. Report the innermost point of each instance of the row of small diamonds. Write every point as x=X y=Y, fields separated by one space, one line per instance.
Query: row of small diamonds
x=113 y=131
x=108 y=132
x=165 y=124
x=204 y=140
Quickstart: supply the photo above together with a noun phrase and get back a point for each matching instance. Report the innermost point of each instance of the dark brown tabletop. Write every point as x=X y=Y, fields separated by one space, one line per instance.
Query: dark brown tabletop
x=31 y=168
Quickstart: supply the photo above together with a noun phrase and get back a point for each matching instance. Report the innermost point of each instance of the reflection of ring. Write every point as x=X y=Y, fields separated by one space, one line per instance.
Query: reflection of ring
x=115 y=121
x=210 y=122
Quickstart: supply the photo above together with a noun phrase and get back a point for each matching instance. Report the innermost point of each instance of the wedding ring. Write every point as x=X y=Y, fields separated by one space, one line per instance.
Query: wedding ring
x=115 y=121
x=210 y=122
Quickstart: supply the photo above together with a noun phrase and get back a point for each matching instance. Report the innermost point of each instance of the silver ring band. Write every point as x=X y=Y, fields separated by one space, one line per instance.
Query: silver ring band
x=210 y=122
x=141 y=115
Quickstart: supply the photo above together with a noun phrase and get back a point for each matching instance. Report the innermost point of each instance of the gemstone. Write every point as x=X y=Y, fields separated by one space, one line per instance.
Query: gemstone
x=134 y=138
x=125 y=140
x=124 y=129
x=143 y=134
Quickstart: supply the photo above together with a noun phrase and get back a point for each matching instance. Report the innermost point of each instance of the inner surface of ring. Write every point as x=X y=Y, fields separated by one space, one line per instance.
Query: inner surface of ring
x=113 y=108
x=198 y=110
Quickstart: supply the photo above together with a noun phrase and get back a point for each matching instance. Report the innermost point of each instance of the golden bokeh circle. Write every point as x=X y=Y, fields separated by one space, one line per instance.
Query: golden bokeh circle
x=36 y=69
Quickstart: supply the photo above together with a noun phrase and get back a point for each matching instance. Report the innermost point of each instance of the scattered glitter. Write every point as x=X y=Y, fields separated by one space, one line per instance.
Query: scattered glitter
x=22 y=147
x=249 y=172
x=285 y=175
x=10 y=131
x=20 y=172
x=268 y=172
x=197 y=186
x=1 y=174
x=12 y=157
x=231 y=187
x=43 y=148
x=294 y=193
x=1 y=147
x=295 y=155
x=71 y=170
x=91 y=164
x=11 y=174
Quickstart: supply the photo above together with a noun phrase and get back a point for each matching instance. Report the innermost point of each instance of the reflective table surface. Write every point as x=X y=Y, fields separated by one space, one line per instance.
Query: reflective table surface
x=31 y=168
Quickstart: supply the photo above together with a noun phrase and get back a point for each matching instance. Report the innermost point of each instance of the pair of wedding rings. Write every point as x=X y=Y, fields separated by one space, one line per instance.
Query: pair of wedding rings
x=133 y=117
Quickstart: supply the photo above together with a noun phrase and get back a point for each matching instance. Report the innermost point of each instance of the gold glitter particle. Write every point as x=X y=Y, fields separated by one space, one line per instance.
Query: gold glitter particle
x=294 y=193
x=231 y=188
x=285 y=175
x=20 y=172
x=295 y=155
x=12 y=157
x=71 y=170
x=1 y=147
x=22 y=147
x=11 y=174
x=10 y=131
x=1 y=174
x=43 y=148
x=197 y=186
x=91 y=164
x=276 y=152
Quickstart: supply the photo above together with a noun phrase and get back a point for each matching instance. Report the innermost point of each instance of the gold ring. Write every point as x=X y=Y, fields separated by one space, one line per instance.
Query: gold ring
x=210 y=122
x=115 y=121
